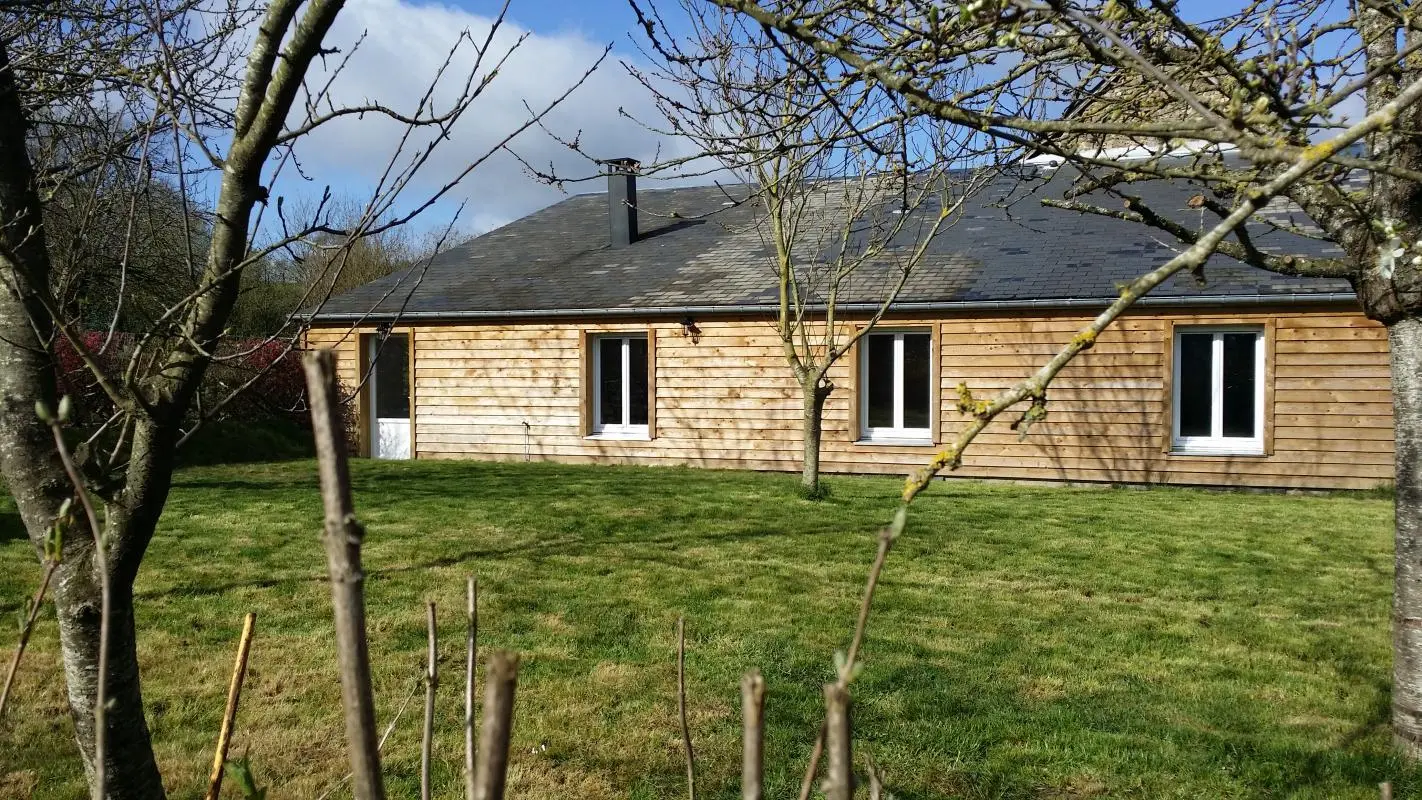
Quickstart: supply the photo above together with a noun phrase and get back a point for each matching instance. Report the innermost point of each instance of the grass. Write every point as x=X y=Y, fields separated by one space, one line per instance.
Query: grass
x=1029 y=642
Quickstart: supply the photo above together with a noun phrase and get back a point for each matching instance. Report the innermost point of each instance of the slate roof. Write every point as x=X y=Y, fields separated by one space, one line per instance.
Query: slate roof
x=696 y=255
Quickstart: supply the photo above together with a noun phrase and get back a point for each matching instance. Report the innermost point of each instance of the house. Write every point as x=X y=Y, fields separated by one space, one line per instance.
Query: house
x=635 y=328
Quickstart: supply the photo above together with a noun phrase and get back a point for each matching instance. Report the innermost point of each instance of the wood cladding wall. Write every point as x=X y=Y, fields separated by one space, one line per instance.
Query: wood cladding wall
x=514 y=391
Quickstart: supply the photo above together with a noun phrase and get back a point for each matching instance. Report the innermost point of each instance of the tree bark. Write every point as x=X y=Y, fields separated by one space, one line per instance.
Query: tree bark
x=131 y=771
x=1405 y=340
x=815 y=394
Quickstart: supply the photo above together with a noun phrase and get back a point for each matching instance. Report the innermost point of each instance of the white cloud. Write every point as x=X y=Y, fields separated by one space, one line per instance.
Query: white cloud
x=404 y=45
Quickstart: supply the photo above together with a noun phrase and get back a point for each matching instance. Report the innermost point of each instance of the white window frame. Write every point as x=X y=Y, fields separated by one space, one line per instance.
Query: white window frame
x=623 y=430
x=897 y=434
x=1217 y=443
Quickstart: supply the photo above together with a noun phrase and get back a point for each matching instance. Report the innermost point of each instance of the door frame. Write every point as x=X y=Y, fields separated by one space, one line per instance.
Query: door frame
x=368 y=434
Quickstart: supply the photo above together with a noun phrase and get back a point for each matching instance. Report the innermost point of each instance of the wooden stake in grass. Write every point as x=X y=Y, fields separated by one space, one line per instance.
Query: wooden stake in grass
x=752 y=735
x=471 y=656
x=342 y=540
x=496 y=729
x=1385 y=788
x=431 y=683
x=839 y=767
x=229 y=714
x=681 y=707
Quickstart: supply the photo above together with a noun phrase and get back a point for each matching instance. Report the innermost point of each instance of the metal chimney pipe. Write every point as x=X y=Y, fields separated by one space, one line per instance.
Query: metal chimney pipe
x=622 y=200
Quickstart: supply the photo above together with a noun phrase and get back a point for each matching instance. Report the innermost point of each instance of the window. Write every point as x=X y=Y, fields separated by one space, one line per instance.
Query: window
x=619 y=397
x=1218 y=397
x=896 y=373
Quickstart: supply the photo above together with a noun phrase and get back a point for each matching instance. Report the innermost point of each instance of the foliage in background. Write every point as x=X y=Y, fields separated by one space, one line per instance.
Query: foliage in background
x=267 y=420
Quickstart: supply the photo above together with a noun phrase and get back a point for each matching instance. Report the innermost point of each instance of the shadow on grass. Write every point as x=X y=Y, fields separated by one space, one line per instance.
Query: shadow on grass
x=967 y=712
x=12 y=529
x=564 y=546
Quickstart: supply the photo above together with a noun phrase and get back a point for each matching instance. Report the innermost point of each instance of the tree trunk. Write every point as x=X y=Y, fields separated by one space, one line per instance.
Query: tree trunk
x=1405 y=340
x=815 y=394
x=132 y=772
x=35 y=477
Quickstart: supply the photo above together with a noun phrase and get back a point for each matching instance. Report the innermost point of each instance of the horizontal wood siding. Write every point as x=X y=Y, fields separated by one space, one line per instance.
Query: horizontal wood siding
x=346 y=344
x=513 y=391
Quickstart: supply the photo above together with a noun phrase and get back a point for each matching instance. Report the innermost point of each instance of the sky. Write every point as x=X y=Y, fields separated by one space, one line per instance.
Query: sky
x=404 y=43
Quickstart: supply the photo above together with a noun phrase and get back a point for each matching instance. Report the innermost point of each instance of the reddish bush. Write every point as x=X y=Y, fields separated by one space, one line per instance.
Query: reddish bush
x=77 y=381
x=265 y=374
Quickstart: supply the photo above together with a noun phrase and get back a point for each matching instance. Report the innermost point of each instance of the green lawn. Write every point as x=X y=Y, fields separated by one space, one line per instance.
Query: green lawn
x=1028 y=641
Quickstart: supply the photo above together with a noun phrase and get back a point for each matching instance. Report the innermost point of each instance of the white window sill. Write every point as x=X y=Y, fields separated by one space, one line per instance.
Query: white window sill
x=620 y=436
x=1217 y=451
x=886 y=441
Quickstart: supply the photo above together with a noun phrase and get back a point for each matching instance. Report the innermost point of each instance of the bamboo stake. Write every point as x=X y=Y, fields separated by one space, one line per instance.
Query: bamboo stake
x=229 y=715
x=681 y=707
x=431 y=683
x=496 y=728
x=342 y=539
x=839 y=766
x=471 y=656
x=752 y=735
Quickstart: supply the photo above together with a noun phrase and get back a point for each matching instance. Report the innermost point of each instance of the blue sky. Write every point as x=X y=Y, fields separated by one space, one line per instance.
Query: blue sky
x=607 y=20
x=610 y=20
x=406 y=40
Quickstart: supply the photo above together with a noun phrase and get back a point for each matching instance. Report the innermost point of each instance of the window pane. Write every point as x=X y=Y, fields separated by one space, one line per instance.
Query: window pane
x=879 y=381
x=610 y=380
x=1194 y=389
x=1239 y=377
x=392 y=378
x=917 y=358
x=638 y=379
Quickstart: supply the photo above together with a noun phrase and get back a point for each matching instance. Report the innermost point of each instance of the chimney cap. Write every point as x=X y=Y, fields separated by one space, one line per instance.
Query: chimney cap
x=626 y=166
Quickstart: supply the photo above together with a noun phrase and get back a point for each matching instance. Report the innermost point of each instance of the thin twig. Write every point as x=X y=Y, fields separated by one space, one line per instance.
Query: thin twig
x=431 y=683
x=471 y=656
x=807 y=783
x=496 y=729
x=28 y=628
x=229 y=715
x=342 y=540
x=886 y=542
x=876 y=784
x=389 y=729
x=681 y=707
x=839 y=777
x=752 y=735
x=101 y=563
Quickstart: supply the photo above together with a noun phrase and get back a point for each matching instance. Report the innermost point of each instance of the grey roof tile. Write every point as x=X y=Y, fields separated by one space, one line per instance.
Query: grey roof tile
x=694 y=252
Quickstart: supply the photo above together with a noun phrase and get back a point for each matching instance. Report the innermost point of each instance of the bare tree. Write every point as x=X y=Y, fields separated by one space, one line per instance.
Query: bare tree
x=1246 y=97
x=847 y=190
x=220 y=95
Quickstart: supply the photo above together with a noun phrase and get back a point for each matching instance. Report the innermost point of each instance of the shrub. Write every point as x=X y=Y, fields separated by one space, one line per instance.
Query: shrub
x=254 y=395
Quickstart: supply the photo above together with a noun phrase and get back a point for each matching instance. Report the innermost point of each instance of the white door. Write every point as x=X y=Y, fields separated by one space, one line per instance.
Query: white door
x=390 y=396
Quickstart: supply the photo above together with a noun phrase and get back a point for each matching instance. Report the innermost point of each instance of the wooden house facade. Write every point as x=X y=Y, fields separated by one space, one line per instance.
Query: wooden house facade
x=544 y=341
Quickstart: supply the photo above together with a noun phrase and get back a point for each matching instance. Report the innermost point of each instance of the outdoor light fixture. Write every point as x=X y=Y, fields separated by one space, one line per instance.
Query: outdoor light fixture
x=689 y=328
